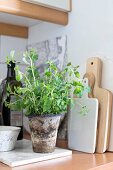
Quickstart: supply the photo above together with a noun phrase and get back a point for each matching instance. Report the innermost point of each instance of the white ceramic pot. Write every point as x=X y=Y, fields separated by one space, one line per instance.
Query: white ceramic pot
x=8 y=137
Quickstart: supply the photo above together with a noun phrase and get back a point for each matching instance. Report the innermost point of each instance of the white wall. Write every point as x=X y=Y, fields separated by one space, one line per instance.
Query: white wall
x=89 y=32
x=7 y=44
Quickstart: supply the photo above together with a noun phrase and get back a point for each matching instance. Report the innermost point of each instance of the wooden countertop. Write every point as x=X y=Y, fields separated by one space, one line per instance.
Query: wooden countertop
x=78 y=161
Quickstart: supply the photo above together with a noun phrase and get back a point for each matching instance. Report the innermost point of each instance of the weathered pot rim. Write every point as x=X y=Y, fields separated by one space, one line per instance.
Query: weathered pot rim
x=46 y=115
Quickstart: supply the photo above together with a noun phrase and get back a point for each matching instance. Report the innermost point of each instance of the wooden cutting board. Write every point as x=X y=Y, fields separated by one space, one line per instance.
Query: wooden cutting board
x=107 y=82
x=94 y=66
x=82 y=128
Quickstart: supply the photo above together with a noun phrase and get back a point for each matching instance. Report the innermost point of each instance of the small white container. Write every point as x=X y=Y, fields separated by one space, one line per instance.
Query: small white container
x=8 y=137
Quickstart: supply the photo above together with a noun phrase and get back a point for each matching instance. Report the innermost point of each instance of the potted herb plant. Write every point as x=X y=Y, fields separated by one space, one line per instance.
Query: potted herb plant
x=44 y=97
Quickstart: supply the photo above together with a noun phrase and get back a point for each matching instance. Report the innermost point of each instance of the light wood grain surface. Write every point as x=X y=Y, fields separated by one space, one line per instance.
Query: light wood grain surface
x=13 y=30
x=94 y=66
x=20 y=8
x=78 y=161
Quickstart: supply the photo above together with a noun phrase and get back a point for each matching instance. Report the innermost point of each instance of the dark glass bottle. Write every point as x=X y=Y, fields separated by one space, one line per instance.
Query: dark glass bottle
x=1 y=120
x=11 y=117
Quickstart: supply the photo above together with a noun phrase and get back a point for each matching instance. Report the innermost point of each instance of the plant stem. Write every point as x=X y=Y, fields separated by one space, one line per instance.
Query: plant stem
x=32 y=70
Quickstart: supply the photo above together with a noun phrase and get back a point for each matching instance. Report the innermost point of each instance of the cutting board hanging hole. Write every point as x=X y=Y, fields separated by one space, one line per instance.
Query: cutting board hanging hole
x=85 y=82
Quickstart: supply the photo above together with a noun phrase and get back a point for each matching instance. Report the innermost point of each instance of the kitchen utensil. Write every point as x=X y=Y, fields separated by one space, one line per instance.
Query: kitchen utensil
x=107 y=82
x=94 y=66
x=82 y=128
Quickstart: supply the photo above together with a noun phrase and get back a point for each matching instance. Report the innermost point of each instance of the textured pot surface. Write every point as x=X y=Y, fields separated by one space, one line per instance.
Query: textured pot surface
x=8 y=137
x=44 y=132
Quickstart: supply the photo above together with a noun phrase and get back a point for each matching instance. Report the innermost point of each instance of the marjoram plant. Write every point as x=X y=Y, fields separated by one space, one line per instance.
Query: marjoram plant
x=48 y=93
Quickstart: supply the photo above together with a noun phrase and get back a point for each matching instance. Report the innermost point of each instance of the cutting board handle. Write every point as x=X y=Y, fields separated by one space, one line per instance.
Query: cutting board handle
x=94 y=65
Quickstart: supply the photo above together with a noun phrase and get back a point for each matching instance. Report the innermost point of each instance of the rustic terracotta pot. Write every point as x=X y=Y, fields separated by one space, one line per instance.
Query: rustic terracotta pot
x=44 y=132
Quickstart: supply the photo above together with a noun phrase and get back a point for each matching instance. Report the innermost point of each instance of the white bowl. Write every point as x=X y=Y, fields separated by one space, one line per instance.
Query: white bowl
x=8 y=137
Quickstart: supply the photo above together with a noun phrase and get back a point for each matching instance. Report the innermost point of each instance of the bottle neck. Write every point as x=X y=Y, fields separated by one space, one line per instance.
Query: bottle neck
x=11 y=70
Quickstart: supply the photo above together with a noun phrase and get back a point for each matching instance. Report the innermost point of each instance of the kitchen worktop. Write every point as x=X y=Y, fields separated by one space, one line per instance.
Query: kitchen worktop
x=78 y=161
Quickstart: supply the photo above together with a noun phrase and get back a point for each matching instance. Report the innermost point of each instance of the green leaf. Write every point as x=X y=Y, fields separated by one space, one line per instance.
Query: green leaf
x=7 y=60
x=66 y=69
x=46 y=93
x=48 y=73
x=33 y=55
x=77 y=83
x=8 y=88
x=76 y=67
x=53 y=67
x=12 y=55
x=47 y=104
x=77 y=74
x=69 y=64
x=19 y=76
x=77 y=90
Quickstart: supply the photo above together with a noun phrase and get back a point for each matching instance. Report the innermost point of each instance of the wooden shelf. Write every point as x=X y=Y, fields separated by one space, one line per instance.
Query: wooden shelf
x=25 y=9
x=13 y=30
